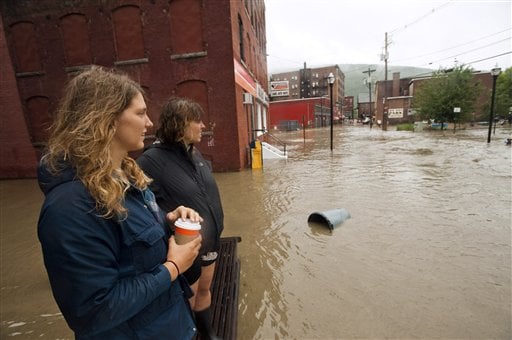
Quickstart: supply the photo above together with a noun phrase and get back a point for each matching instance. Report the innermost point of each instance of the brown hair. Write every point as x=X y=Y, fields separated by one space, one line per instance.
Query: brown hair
x=83 y=131
x=175 y=116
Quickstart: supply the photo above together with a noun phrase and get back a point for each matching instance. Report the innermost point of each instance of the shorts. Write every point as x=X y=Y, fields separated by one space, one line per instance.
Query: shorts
x=194 y=272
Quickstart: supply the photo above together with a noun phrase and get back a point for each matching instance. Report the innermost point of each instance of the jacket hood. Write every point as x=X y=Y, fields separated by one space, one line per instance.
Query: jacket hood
x=48 y=181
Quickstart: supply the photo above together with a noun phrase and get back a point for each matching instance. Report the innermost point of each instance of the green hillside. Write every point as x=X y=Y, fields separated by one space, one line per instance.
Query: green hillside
x=354 y=76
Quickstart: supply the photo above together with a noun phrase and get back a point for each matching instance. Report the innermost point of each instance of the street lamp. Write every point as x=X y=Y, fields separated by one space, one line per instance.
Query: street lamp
x=495 y=72
x=330 y=79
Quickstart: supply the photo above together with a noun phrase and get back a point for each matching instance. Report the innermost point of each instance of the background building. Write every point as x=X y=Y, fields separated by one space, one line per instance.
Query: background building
x=289 y=90
x=213 y=51
x=399 y=93
x=308 y=83
x=296 y=114
x=347 y=108
x=364 y=106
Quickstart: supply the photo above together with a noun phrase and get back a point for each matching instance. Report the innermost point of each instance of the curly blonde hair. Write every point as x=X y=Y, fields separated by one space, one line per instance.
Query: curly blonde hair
x=82 y=135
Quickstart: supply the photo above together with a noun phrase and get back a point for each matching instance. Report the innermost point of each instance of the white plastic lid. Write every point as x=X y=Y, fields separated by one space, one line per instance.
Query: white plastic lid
x=187 y=224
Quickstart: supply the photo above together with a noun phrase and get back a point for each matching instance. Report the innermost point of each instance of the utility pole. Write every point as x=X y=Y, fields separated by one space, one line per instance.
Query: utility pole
x=385 y=60
x=369 y=82
x=385 y=108
x=495 y=72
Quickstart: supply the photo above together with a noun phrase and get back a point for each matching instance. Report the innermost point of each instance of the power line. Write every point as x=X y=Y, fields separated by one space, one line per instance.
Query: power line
x=419 y=19
x=472 y=50
x=450 y=48
x=469 y=63
x=494 y=56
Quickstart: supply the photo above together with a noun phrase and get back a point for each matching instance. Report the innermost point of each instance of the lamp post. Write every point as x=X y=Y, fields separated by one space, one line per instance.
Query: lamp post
x=495 y=73
x=330 y=78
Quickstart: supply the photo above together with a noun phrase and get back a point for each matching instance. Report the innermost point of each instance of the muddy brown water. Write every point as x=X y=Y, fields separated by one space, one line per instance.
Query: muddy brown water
x=426 y=253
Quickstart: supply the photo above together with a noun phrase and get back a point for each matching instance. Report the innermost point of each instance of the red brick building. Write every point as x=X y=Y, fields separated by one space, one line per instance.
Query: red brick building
x=17 y=155
x=298 y=113
x=483 y=79
x=308 y=83
x=364 y=106
x=347 y=108
x=400 y=92
x=398 y=100
x=302 y=97
x=212 y=51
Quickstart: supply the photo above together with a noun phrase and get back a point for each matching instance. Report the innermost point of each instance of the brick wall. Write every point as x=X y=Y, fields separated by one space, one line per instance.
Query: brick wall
x=171 y=48
x=17 y=156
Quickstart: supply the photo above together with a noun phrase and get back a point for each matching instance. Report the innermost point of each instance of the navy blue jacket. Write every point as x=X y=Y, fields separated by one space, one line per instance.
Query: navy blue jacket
x=107 y=275
x=185 y=178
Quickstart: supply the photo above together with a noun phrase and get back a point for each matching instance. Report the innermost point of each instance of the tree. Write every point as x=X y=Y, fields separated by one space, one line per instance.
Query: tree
x=438 y=96
x=503 y=104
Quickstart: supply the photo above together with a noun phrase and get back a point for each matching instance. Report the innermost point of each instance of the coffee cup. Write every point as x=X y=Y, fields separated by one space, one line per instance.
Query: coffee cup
x=186 y=230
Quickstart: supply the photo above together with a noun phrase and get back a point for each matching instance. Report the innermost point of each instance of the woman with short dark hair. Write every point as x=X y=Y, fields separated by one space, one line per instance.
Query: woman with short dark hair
x=181 y=174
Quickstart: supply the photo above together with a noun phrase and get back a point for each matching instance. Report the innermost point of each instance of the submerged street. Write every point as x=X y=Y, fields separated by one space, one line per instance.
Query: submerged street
x=426 y=252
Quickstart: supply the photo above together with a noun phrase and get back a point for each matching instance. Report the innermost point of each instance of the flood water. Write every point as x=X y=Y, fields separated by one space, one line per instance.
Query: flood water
x=426 y=253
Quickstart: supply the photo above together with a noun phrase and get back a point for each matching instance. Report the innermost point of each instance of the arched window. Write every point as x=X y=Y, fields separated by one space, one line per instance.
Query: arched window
x=198 y=91
x=128 y=33
x=25 y=47
x=241 y=38
x=75 y=39
x=186 y=26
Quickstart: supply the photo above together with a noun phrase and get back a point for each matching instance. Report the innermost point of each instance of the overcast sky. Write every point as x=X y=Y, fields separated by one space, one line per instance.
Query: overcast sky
x=421 y=33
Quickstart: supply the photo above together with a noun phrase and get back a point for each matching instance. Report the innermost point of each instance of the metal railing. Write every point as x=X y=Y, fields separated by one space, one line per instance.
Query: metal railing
x=271 y=139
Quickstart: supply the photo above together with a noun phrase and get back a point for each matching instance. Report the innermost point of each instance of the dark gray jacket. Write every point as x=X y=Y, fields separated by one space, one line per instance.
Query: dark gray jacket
x=185 y=178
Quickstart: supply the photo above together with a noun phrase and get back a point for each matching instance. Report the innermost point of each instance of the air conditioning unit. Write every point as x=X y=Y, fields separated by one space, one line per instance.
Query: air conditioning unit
x=247 y=98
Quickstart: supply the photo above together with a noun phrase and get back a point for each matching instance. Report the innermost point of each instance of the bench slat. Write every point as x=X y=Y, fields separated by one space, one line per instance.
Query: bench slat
x=225 y=288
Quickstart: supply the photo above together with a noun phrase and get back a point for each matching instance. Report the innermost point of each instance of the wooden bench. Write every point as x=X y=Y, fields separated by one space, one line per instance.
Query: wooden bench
x=225 y=287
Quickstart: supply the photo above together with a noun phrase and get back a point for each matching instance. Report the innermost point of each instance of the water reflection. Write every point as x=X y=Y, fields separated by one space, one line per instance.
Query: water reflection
x=28 y=309
x=425 y=254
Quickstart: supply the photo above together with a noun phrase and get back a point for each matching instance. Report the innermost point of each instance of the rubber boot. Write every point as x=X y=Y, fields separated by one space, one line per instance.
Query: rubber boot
x=204 y=325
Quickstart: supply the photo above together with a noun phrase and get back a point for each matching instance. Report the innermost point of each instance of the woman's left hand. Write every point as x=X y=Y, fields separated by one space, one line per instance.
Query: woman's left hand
x=184 y=213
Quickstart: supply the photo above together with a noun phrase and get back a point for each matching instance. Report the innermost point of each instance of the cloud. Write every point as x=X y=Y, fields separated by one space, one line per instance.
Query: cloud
x=421 y=33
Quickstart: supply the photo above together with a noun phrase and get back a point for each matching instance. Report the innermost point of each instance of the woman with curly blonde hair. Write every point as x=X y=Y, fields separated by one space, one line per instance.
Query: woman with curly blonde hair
x=113 y=266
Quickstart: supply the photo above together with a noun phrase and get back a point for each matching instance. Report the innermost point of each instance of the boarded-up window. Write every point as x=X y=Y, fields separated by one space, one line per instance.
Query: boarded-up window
x=38 y=118
x=241 y=38
x=75 y=39
x=25 y=47
x=198 y=91
x=128 y=33
x=186 y=26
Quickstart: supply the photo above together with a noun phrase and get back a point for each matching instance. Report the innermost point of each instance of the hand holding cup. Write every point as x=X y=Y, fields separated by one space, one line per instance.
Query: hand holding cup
x=186 y=230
